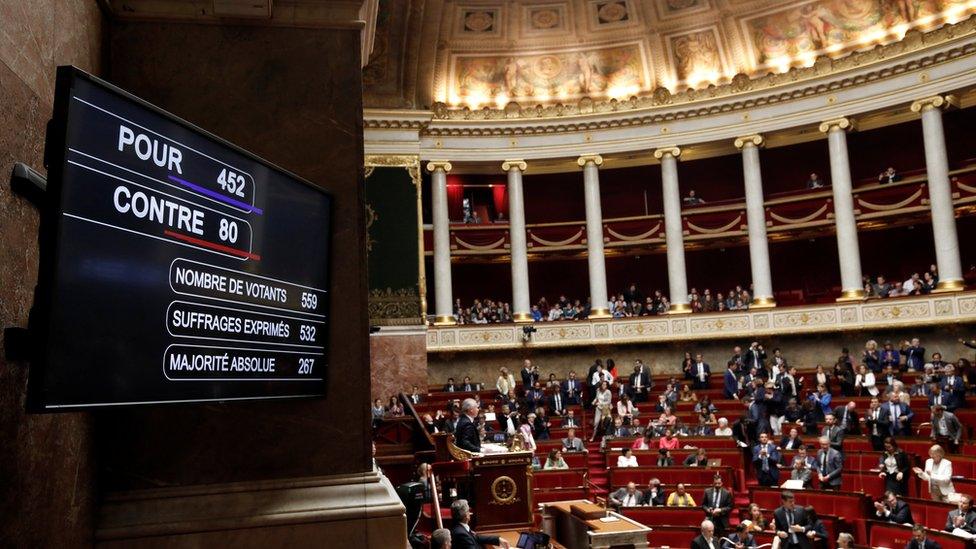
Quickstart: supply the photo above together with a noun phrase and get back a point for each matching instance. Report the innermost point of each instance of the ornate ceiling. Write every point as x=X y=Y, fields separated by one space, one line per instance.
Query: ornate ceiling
x=478 y=53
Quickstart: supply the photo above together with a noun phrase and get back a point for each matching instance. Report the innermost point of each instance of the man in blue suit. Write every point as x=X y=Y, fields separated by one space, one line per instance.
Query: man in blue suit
x=572 y=389
x=897 y=415
x=766 y=459
x=755 y=357
x=953 y=388
x=731 y=380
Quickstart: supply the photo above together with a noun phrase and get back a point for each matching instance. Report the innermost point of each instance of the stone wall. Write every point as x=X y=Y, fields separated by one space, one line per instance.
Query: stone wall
x=398 y=361
x=46 y=465
x=804 y=351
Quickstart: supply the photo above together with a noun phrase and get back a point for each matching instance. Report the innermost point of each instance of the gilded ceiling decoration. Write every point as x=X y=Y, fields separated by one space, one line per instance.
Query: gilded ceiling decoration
x=478 y=53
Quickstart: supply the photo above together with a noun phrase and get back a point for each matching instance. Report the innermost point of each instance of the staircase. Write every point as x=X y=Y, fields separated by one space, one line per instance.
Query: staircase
x=598 y=474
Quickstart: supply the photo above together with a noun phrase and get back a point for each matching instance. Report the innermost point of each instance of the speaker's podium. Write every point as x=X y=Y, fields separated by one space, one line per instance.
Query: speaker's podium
x=498 y=482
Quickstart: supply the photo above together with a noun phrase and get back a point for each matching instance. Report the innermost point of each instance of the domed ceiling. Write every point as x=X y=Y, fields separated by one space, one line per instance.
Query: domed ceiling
x=479 y=53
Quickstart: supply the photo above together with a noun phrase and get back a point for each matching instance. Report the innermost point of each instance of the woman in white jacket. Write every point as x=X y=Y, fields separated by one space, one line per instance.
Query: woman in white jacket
x=505 y=382
x=938 y=473
x=864 y=382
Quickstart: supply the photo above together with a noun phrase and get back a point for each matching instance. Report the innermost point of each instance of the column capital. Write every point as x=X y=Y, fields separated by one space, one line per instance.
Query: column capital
x=672 y=150
x=519 y=165
x=594 y=158
x=843 y=123
x=935 y=102
x=434 y=165
x=754 y=139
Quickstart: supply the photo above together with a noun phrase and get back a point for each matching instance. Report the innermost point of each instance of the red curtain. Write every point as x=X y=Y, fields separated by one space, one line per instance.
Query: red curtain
x=455 y=196
x=499 y=193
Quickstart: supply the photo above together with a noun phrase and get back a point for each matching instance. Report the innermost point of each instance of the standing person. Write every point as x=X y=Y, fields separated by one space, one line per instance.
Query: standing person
x=946 y=428
x=466 y=433
x=462 y=536
x=875 y=425
x=640 y=382
x=895 y=467
x=914 y=354
x=766 y=458
x=830 y=465
x=938 y=474
x=505 y=382
x=717 y=504
x=731 y=381
x=572 y=389
x=788 y=521
x=897 y=415
x=701 y=371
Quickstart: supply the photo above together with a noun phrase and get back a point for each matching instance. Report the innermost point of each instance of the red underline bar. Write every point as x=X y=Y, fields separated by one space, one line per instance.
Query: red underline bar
x=211 y=245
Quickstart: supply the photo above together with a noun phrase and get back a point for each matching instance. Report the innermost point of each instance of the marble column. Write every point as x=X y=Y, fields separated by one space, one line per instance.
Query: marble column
x=762 y=280
x=594 y=235
x=940 y=192
x=848 y=251
x=444 y=308
x=521 y=307
x=673 y=230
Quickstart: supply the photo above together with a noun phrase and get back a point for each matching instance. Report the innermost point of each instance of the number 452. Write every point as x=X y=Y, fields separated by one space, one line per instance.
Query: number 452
x=231 y=182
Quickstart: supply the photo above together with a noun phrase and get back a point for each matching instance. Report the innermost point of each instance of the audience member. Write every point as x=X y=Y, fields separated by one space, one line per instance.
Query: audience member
x=462 y=536
x=555 y=460
x=629 y=496
x=938 y=473
x=892 y=509
x=920 y=539
x=707 y=538
x=717 y=504
x=680 y=498
x=692 y=199
x=789 y=523
x=654 y=496
x=814 y=181
x=962 y=517
x=830 y=466
x=895 y=467
x=627 y=458
x=766 y=457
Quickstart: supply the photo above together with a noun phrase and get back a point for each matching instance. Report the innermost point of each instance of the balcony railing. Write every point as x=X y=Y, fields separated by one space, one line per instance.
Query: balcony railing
x=934 y=309
x=788 y=215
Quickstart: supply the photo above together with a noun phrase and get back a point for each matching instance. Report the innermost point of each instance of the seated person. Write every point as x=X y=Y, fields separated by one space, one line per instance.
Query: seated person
x=802 y=472
x=555 y=460
x=627 y=458
x=888 y=176
x=654 y=496
x=742 y=538
x=920 y=539
x=698 y=459
x=463 y=536
x=571 y=443
x=626 y=497
x=963 y=517
x=664 y=458
x=816 y=530
x=892 y=509
x=680 y=498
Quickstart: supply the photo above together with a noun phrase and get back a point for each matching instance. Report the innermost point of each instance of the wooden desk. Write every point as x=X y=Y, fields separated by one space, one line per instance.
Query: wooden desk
x=512 y=536
x=576 y=533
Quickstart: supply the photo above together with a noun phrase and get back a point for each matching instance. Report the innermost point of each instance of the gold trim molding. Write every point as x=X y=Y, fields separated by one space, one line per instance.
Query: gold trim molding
x=863 y=314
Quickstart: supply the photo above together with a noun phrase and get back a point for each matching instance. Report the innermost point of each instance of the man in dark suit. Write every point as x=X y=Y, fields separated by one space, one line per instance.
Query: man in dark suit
x=556 y=401
x=963 y=517
x=468 y=386
x=640 y=382
x=572 y=389
x=954 y=388
x=892 y=509
x=717 y=503
x=920 y=540
x=451 y=386
x=654 y=496
x=847 y=419
x=462 y=536
x=833 y=432
x=789 y=521
x=700 y=371
x=914 y=355
x=731 y=380
x=466 y=433
x=897 y=415
x=755 y=357
x=707 y=539
x=830 y=464
x=766 y=459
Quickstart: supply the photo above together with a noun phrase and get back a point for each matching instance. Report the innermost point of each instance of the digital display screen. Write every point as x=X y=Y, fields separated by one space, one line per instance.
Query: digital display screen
x=175 y=266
